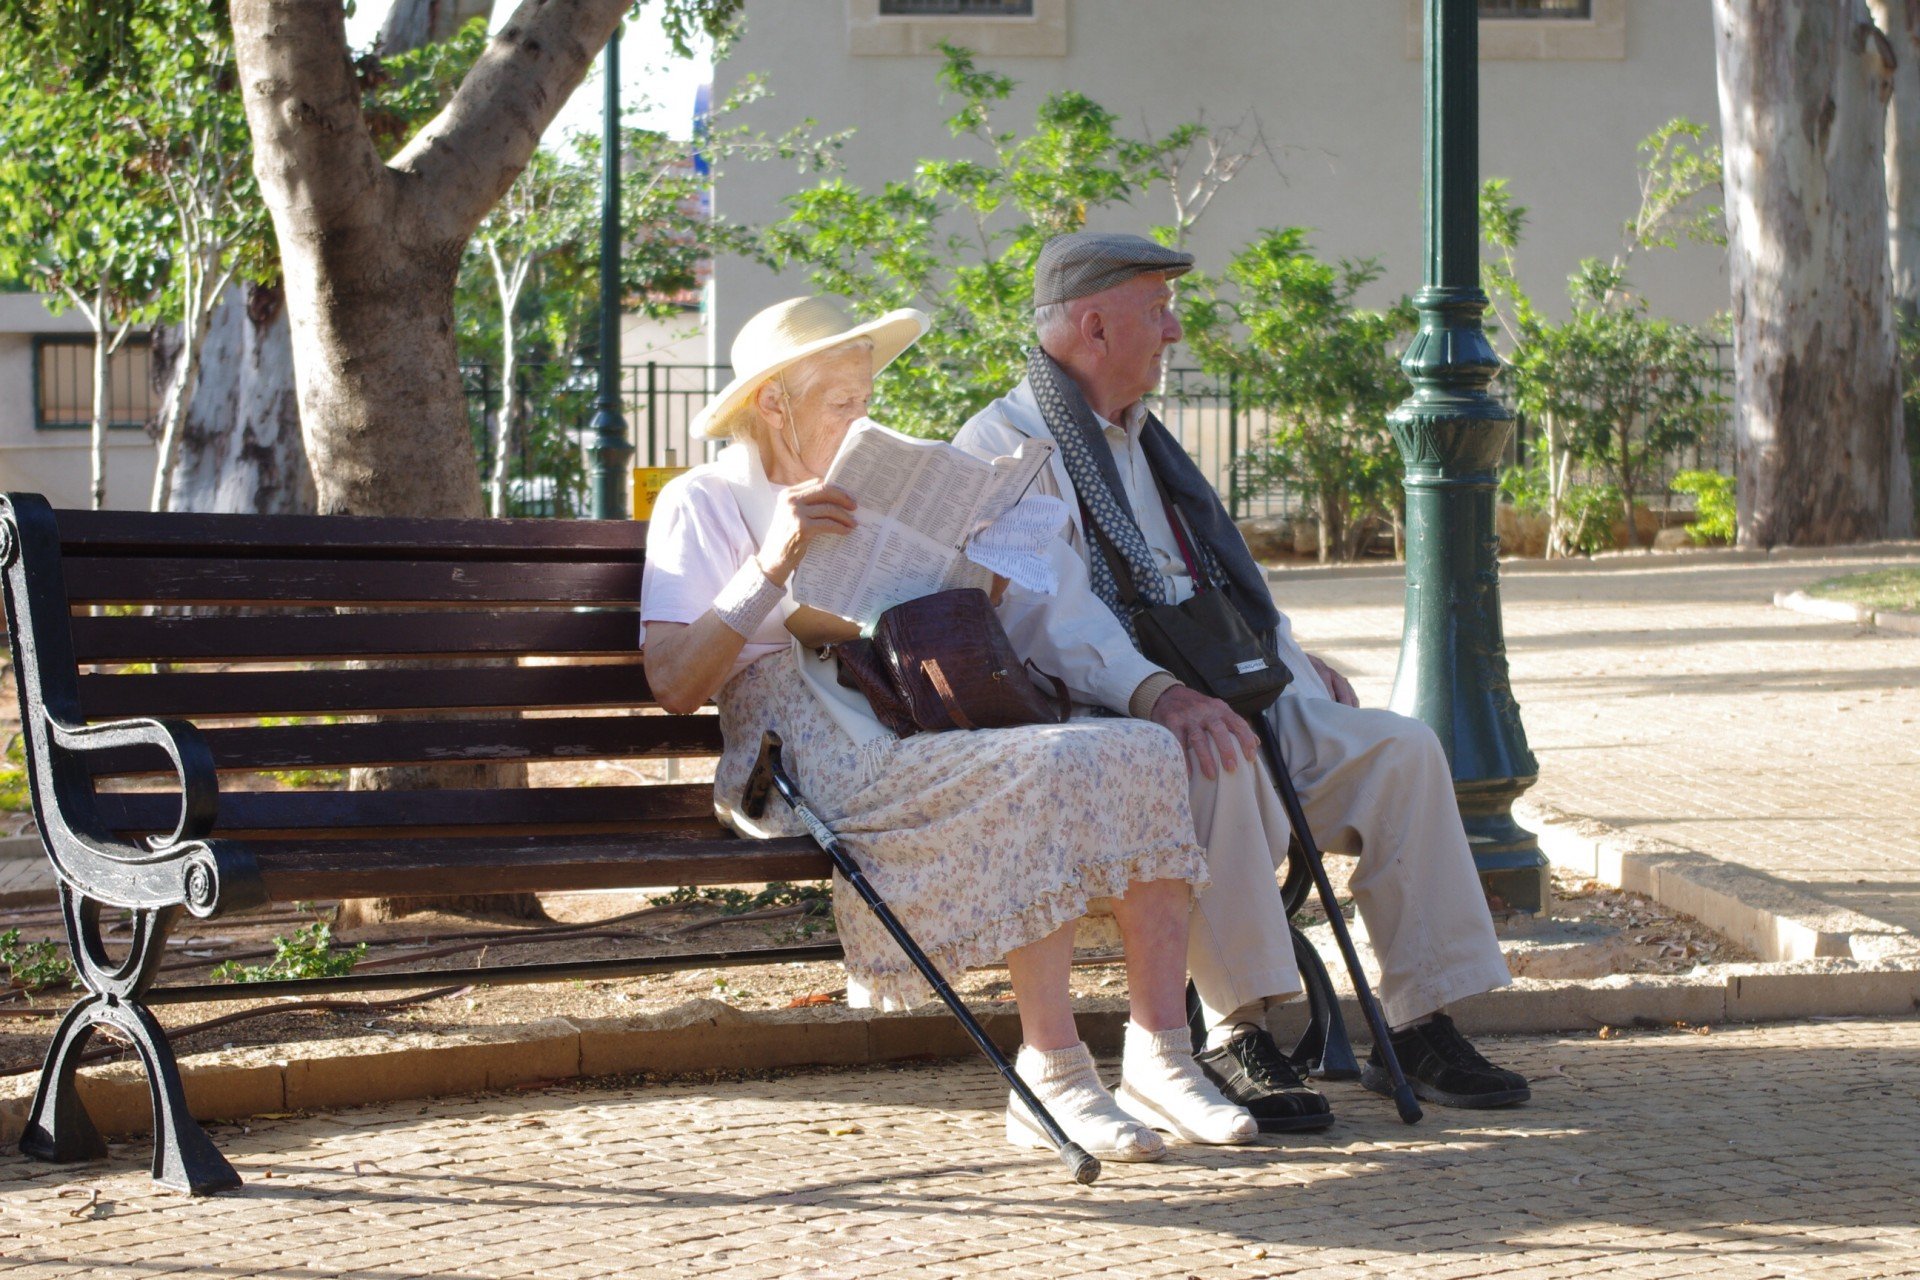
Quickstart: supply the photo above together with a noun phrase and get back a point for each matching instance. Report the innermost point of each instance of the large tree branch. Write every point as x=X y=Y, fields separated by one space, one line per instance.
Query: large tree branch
x=312 y=153
x=469 y=155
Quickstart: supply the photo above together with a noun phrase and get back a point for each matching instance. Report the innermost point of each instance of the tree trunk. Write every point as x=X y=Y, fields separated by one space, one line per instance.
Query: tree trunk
x=1899 y=21
x=509 y=406
x=102 y=411
x=412 y=23
x=240 y=446
x=1817 y=414
x=371 y=249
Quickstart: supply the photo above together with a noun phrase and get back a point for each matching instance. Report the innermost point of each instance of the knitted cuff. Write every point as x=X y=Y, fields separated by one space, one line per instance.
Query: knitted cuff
x=749 y=596
x=1140 y=706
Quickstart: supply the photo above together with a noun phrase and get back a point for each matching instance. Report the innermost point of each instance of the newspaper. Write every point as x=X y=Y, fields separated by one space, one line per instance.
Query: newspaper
x=919 y=502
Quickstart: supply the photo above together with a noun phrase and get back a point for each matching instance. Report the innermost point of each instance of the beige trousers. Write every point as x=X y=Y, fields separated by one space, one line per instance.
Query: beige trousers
x=1374 y=784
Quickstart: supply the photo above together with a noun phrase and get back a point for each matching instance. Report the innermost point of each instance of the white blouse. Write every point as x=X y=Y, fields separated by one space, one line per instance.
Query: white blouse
x=696 y=542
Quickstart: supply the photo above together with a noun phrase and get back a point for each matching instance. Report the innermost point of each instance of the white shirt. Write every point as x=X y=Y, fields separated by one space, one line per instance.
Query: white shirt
x=697 y=539
x=1073 y=634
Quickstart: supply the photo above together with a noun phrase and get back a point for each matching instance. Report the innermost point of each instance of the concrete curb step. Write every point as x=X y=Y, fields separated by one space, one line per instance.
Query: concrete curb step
x=1847 y=611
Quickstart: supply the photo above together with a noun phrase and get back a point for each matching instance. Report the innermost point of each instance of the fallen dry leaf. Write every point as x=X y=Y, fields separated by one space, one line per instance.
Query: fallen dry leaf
x=1608 y=1033
x=802 y=1002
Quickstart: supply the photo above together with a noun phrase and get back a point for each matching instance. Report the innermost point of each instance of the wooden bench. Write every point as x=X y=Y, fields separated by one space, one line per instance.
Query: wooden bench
x=118 y=677
x=156 y=646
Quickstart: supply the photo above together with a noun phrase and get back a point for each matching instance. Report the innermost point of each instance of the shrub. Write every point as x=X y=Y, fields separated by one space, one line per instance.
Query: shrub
x=309 y=953
x=1713 y=505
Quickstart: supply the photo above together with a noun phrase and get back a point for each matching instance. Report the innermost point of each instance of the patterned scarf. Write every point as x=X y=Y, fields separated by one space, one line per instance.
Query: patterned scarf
x=1223 y=553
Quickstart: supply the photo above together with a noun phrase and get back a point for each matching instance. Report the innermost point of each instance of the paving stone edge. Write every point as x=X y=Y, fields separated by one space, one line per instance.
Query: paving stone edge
x=1847 y=611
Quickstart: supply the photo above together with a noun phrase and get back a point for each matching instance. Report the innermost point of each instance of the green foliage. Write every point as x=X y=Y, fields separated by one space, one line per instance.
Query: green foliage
x=16 y=794
x=1588 y=512
x=309 y=953
x=400 y=92
x=1614 y=390
x=1883 y=590
x=1680 y=181
x=1283 y=325
x=734 y=902
x=958 y=240
x=94 y=39
x=34 y=965
x=1713 y=505
x=528 y=295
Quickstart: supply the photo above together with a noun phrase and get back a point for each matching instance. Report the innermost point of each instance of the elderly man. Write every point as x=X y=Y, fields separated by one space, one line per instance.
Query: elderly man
x=1373 y=783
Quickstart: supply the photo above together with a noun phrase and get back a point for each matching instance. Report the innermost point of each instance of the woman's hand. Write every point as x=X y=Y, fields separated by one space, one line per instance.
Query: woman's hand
x=805 y=511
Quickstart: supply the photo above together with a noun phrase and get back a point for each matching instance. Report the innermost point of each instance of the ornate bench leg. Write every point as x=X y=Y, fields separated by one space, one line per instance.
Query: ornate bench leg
x=184 y=1157
x=1324 y=1050
x=58 y=1127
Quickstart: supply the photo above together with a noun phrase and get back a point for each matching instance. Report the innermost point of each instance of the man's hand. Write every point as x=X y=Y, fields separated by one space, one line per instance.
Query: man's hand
x=1336 y=683
x=1208 y=727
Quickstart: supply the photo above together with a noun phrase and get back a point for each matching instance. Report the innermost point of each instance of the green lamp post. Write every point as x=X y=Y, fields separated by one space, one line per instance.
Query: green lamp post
x=1452 y=433
x=610 y=453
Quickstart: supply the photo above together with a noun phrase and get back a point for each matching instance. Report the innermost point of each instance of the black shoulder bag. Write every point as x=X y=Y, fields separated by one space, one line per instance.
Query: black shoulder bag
x=1202 y=641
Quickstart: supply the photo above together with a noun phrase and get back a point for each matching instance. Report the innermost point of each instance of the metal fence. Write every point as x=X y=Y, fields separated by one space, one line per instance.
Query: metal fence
x=546 y=474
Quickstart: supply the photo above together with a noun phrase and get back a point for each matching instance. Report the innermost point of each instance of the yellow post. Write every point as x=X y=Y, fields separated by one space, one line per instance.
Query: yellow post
x=647 y=484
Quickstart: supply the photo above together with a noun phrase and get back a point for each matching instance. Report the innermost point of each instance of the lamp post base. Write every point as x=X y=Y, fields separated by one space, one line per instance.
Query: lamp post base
x=1506 y=855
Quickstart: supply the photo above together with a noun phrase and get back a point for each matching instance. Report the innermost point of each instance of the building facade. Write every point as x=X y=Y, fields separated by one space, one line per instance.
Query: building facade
x=46 y=372
x=1568 y=90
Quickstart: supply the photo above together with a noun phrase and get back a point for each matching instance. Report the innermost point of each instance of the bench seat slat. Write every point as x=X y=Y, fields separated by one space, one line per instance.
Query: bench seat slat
x=312 y=693
x=357 y=635
x=695 y=854
x=411 y=742
x=312 y=814
x=142 y=533
x=188 y=580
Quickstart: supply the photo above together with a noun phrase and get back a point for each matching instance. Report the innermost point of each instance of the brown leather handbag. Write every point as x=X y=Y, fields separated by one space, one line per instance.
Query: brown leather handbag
x=944 y=662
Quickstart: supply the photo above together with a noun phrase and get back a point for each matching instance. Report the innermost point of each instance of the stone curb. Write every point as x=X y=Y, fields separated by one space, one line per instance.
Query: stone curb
x=1847 y=611
x=708 y=1036
x=1616 y=561
x=1774 y=920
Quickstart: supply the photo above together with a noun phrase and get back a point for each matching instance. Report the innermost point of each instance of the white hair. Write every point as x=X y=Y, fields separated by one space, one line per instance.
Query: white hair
x=1053 y=323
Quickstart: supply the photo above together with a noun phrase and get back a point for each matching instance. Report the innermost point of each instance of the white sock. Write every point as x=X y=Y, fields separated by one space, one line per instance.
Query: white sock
x=1254 y=1011
x=1161 y=1085
x=1066 y=1083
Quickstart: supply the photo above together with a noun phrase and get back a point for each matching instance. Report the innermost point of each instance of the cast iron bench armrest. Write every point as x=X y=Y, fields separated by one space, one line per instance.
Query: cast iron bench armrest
x=183 y=868
x=192 y=767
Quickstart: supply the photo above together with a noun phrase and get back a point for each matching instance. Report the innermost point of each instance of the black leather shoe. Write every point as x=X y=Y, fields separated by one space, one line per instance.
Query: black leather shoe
x=1251 y=1071
x=1442 y=1067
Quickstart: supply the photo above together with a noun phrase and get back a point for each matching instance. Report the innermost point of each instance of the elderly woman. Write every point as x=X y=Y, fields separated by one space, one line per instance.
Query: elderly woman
x=986 y=843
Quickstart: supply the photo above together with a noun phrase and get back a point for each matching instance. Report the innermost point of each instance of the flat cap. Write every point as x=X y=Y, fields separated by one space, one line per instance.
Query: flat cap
x=1083 y=263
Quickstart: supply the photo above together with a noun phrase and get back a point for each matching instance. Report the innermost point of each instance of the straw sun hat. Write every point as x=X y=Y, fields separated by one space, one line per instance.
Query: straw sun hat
x=787 y=333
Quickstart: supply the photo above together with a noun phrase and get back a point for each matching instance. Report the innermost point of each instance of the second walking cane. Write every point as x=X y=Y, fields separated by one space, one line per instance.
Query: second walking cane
x=769 y=774
x=1403 y=1100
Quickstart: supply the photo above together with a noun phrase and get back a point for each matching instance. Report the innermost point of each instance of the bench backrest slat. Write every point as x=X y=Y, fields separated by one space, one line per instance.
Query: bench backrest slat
x=191 y=580
x=318 y=814
x=318 y=693
x=427 y=742
x=86 y=534
x=357 y=635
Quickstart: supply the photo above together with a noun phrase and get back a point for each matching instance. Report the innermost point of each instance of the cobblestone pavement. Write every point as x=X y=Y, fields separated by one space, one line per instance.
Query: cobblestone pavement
x=1776 y=1151
x=1677 y=701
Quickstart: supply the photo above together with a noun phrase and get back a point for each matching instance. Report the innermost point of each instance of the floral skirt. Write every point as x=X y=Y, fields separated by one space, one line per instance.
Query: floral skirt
x=981 y=841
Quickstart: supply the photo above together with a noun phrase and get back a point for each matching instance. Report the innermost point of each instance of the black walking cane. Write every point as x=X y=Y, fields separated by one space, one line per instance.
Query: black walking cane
x=769 y=772
x=1403 y=1099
